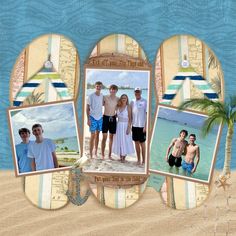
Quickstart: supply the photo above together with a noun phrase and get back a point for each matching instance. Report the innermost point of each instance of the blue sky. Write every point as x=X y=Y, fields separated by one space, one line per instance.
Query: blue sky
x=190 y=119
x=118 y=77
x=58 y=121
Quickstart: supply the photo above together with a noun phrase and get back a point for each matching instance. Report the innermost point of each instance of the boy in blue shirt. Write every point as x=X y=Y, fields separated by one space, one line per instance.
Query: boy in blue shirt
x=24 y=163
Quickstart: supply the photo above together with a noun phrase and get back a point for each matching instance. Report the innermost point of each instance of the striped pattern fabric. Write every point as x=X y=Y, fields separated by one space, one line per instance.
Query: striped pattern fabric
x=197 y=80
x=29 y=87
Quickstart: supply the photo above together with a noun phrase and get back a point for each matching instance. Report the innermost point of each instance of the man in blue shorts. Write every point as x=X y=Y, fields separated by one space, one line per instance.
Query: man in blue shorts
x=94 y=117
x=24 y=163
x=192 y=152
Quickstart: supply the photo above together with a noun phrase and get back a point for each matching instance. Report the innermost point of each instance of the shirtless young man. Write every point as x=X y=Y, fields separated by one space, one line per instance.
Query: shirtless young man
x=192 y=151
x=179 y=147
x=109 y=119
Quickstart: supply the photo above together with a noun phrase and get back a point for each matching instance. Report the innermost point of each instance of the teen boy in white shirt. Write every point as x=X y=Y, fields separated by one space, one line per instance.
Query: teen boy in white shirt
x=94 y=117
x=42 y=151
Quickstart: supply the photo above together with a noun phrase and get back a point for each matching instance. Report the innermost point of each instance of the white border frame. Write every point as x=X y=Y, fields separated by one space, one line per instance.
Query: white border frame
x=210 y=175
x=13 y=139
x=147 y=125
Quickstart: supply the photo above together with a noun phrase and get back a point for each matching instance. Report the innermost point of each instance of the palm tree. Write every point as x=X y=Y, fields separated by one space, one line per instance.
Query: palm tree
x=218 y=113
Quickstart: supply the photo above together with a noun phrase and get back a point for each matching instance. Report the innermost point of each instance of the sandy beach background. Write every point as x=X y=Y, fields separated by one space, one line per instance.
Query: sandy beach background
x=149 y=216
x=106 y=165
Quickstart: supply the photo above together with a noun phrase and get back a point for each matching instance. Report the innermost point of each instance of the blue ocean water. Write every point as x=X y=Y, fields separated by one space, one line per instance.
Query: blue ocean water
x=71 y=143
x=128 y=92
x=164 y=132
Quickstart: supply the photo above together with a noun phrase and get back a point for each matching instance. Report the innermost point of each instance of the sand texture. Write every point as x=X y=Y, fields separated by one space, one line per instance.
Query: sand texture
x=149 y=216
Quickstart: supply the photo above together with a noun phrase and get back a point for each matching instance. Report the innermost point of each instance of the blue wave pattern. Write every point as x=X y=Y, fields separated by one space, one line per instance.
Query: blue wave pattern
x=86 y=22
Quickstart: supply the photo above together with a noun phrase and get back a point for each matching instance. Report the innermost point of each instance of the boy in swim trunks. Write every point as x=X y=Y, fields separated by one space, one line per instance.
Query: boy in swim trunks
x=179 y=147
x=109 y=119
x=192 y=151
x=94 y=117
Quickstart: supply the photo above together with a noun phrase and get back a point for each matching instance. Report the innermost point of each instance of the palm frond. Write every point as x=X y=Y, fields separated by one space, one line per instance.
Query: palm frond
x=223 y=116
x=202 y=104
x=209 y=123
x=233 y=117
x=212 y=61
x=217 y=112
x=232 y=101
x=34 y=98
x=215 y=83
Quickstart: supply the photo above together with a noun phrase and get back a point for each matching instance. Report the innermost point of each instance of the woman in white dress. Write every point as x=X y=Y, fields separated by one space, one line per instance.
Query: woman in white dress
x=123 y=144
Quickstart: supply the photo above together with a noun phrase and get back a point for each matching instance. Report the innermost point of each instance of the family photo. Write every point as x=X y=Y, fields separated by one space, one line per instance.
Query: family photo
x=116 y=120
x=178 y=146
x=44 y=137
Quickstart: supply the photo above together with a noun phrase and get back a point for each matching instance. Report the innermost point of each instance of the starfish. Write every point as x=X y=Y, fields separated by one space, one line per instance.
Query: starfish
x=222 y=181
